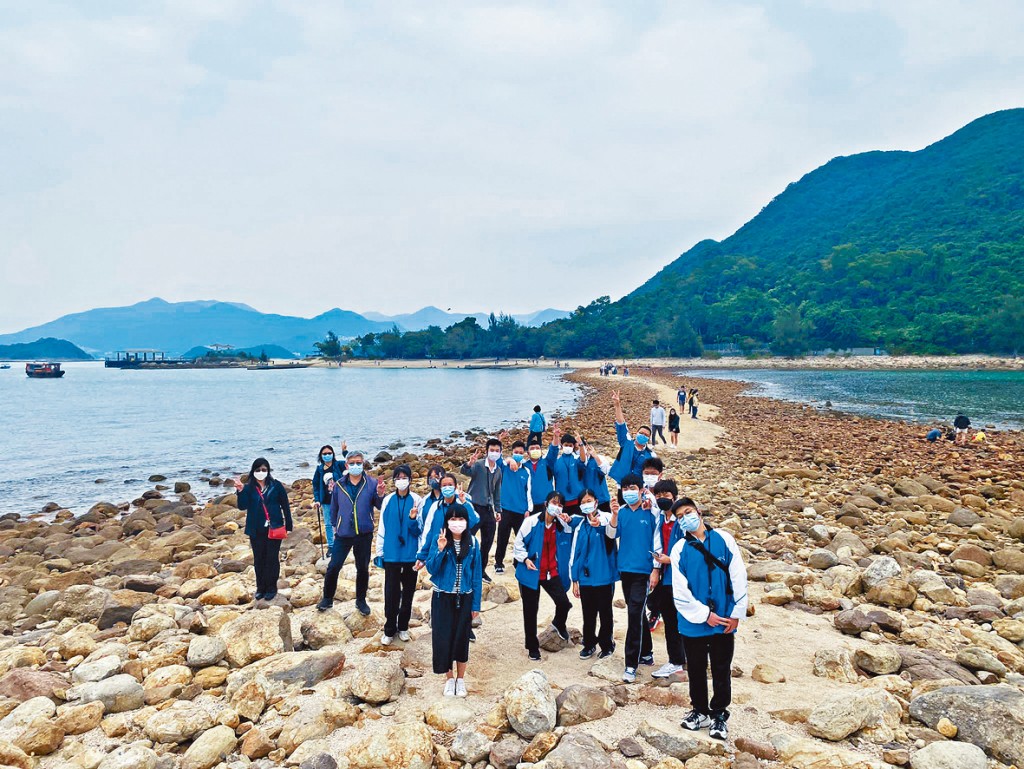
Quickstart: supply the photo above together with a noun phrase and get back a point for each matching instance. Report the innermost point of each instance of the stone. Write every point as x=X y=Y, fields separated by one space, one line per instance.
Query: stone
x=256 y=635
x=470 y=745
x=949 y=755
x=228 y=593
x=802 y=753
x=906 y=487
x=210 y=748
x=129 y=757
x=946 y=728
x=1010 y=559
x=320 y=761
x=180 y=722
x=377 y=679
x=852 y=622
x=530 y=705
x=79 y=719
x=836 y=665
x=322 y=629
x=204 y=651
x=507 y=752
x=403 y=746
x=315 y=718
x=893 y=592
x=675 y=741
x=172 y=675
x=766 y=673
x=539 y=747
x=991 y=717
x=578 y=750
x=1010 y=629
x=256 y=744
x=147 y=628
x=84 y=603
x=97 y=670
x=21 y=657
x=974 y=658
x=306 y=668
x=856 y=711
x=32 y=728
x=118 y=693
x=250 y=699
x=880 y=660
x=24 y=684
x=448 y=714
x=763 y=750
x=12 y=755
x=822 y=559
x=579 y=704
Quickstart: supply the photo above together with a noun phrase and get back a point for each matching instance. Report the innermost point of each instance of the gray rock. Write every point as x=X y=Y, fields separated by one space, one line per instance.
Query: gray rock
x=305 y=668
x=580 y=704
x=672 y=740
x=117 y=693
x=97 y=670
x=470 y=746
x=991 y=717
x=129 y=757
x=579 y=750
x=880 y=570
x=530 y=705
x=822 y=559
x=507 y=752
x=204 y=651
x=322 y=761
x=949 y=755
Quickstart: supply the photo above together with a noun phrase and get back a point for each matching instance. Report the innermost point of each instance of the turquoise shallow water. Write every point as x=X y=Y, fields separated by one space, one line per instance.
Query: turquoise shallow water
x=987 y=397
x=58 y=436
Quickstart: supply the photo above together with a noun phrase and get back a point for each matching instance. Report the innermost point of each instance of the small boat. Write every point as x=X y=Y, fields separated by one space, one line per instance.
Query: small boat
x=5 y=365
x=44 y=370
x=277 y=366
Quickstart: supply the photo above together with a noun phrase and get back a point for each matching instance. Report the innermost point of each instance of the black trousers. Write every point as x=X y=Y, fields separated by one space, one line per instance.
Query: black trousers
x=661 y=601
x=531 y=603
x=359 y=546
x=638 y=632
x=510 y=522
x=657 y=430
x=486 y=528
x=266 y=560
x=399 y=587
x=719 y=648
x=535 y=436
x=597 y=604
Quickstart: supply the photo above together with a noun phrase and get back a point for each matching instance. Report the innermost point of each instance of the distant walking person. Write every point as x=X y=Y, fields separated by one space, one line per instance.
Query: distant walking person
x=397 y=542
x=681 y=397
x=657 y=423
x=485 y=492
x=538 y=424
x=673 y=427
x=961 y=425
x=694 y=403
x=266 y=507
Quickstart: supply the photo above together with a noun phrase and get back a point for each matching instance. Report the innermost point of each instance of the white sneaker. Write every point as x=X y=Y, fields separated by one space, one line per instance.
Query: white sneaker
x=385 y=640
x=403 y=635
x=629 y=676
x=449 y=687
x=666 y=670
x=460 y=687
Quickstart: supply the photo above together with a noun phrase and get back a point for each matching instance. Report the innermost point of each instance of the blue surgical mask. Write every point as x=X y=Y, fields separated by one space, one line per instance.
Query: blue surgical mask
x=447 y=492
x=631 y=496
x=434 y=483
x=327 y=458
x=690 y=522
x=641 y=440
x=355 y=470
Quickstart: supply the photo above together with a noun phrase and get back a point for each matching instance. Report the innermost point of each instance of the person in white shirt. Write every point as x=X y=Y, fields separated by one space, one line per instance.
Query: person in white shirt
x=657 y=423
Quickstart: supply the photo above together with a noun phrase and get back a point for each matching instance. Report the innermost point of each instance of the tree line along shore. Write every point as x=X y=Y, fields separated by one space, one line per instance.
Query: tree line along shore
x=887 y=627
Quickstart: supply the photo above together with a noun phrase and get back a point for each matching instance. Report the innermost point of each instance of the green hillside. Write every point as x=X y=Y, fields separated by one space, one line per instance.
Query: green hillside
x=43 y=349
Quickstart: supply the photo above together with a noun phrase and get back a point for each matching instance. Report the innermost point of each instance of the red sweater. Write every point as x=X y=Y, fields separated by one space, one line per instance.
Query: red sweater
x=549 y=554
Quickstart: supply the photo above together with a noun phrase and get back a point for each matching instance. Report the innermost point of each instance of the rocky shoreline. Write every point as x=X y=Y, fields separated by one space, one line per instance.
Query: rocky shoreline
x=888 y=623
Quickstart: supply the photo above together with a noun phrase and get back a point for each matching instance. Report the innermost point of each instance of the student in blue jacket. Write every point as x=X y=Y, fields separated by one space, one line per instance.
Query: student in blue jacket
x=635 y=525
x=266 y=507
x=328 y=472
x=455 y=569
x=662 y=601
x=516 y=500
x=542 y=478
x=592 y=568
x=435 y=505
x=538 y=424
x=633 y=452
x=537 y=568
x=398 y=535
x=567 y=469
x=709 y=585
x=351 y=515
x=595 y=476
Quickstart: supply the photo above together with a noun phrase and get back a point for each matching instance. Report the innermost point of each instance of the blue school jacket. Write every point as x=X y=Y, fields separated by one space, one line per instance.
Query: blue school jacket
x=593 y=560
x=441 y=568
x=695 y=586
x=529 y=543
x=629 y=459
x=398 y=536
x=638 y=535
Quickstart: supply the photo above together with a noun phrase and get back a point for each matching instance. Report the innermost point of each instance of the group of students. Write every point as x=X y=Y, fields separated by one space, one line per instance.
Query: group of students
x=570 y=535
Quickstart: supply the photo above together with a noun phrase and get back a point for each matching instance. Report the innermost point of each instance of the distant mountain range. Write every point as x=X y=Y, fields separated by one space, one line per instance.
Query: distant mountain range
x=43 y=349
x=176 y=327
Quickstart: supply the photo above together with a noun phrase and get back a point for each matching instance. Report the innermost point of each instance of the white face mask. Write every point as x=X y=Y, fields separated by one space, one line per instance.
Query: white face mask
x=567 y=450
x=650 y=480
x=260 y=475
x=494 y=456
x=554 y=510
x=587 y=508
x=402 y=484
x=457 y=526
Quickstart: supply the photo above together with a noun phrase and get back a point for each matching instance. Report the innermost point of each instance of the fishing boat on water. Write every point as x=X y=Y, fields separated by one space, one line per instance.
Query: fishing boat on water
x=44 y=370
x=266 y=366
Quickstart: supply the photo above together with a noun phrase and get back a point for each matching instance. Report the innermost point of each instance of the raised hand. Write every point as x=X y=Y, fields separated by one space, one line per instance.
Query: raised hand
x=475 y=457
x=381 y=487
x=616 y=397
x=442 y=540
x=344 y=447
x=238 y=484
x=413 y=513
x=461 y=493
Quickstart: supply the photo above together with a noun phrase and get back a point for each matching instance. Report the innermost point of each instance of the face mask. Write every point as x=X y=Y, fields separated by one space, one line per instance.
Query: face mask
x=327 y=458
x=402 y=484
x=631 y=496
x=690 y=522
x=434 y=483
x=494 y=456
x=664 y=504
x=641 y=440
x=534 y=453
x=519 y=458
x=567 y=450
x=650 y=480
x=587 y=508
x=554 y=510
x=260 y=475
x=457 y=526
x=355 y=470
x=447 y=492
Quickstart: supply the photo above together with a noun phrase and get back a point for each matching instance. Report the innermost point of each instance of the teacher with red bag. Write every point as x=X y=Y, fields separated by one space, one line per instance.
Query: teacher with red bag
x=268 y=519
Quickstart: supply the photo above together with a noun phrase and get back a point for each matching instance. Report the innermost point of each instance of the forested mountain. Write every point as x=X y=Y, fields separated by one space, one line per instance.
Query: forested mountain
x=43 y=349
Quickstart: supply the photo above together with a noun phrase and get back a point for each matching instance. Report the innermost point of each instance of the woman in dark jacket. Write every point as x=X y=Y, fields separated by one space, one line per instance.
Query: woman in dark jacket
x=266 y=507
x=329 y=471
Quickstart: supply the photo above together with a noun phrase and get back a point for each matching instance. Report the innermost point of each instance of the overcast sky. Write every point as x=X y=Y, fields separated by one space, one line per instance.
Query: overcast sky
x=298 y=156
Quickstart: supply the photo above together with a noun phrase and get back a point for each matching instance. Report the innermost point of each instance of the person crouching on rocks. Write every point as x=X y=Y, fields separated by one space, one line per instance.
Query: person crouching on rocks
x=266 y=507
x=537 y=566
x=456 y=569
x=352 y=503
x=594 y=573
x=709 y=586
x=398 y=533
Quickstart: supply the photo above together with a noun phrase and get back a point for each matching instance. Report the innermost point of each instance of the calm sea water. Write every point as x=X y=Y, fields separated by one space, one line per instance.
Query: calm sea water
x=987 y=397
x=58 y=436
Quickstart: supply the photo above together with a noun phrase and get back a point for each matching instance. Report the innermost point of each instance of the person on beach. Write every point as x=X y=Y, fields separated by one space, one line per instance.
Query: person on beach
x=433 y=510
x=266 y=507
x=595 y=476
x=673 y=427
x=536 y=554
x=632 y=451
x=542 y=478
x=657 y=423
x=516 y=500
x=635 y=526
x=662 y=600
x=961 y=425
x=485 y=491
x=456 y=570
x=538 y=424
x=933 y=435
x=328 y=472
x=651 y=472
x=593 y=571
x=709 y=588
x=694 y=402
x=567 y=468
x=681 y=397
x=397 y=541
x=352 y=503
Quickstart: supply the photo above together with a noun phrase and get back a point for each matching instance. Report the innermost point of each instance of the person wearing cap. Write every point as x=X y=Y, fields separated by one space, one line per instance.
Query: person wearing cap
x=567 y=469
x=397 y=542
x=485 y=491
x=709 y=588
x=516 y=500
x=352 y=503
x=632 y=451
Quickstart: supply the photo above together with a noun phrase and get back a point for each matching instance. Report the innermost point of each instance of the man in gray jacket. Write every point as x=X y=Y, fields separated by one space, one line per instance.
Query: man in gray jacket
x=485 y=491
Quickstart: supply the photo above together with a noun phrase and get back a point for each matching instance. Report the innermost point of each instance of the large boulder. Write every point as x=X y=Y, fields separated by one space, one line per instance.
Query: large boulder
x=84 y=603
x=32 y=728
x=118 y=693
x=530 y=705
x=24 y=684
x=402 y=746
x=204 y=651
x=802 y=753
x=322 y=629
x=448 y=714
x=579 y=749
x=180 y=722
x=873 y=712
x=283 y=670
x=315 y=718
x=949 y=755
x=674 y=741
x=210 y=748
x=991 y=717
x=129 y=757
x=579 y=704
x=880 y=660
x=470 y=745
x=835 y=664
x=257 y=635
x=377 y=679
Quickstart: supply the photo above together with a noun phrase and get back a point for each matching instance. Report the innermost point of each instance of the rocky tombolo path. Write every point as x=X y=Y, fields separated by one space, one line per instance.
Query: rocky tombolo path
x=887 y=627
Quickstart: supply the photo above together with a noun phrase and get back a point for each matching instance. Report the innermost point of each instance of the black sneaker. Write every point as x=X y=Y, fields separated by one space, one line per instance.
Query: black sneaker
x=269 y=596
x=472 y=635
x=486 y=577
x=324 y=605
x=499 y=569
x=647 y=659
x=718 y=728
x=587 y=652
x=363 y=607
x=563 y=631
x=535 y=656
x=695 y=721
x=258 y=597
x=607 y=652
